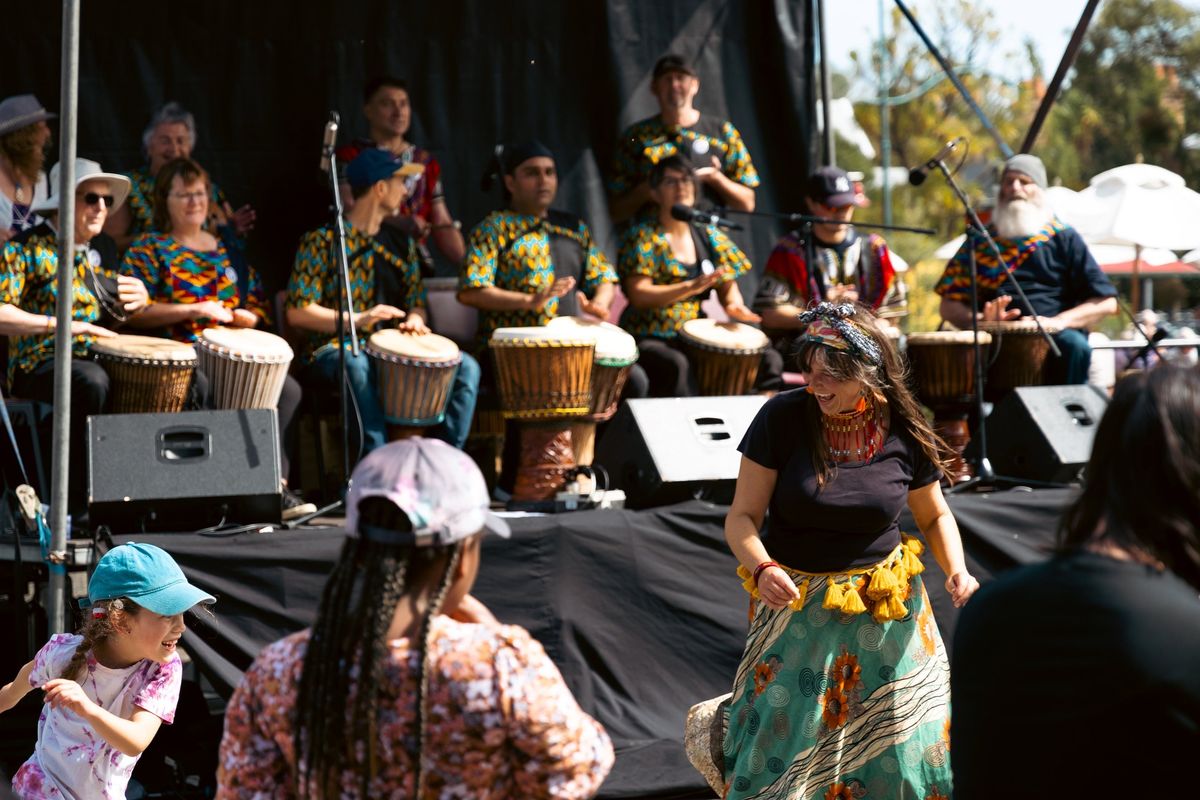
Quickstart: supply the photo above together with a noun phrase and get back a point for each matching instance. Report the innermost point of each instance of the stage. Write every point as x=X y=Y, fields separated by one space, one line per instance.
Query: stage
x=641 y=611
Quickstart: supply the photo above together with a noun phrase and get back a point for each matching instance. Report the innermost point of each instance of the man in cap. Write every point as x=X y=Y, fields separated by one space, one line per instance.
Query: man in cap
x=713 y=145
x=849 y=267
x=24 y=137
x=385 y=286
x=103 y=299
x=1050 y=261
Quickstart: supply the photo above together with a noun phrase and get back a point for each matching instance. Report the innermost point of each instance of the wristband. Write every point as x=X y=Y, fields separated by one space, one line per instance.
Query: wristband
x=758 y=570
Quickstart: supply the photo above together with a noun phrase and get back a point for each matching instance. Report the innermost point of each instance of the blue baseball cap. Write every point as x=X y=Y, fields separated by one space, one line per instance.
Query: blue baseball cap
x=376 y=164
x=148 y=576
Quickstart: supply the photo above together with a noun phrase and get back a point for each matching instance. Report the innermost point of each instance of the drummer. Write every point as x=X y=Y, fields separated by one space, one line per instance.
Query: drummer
x=1066 y=288
x=667 y=268
x=196 y=283
x=103 y=300
x=379 y=181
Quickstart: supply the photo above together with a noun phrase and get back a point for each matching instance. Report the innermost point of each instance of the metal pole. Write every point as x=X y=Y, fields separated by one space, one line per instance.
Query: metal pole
x=885 y=117
x=56 y=594
x=826 y=89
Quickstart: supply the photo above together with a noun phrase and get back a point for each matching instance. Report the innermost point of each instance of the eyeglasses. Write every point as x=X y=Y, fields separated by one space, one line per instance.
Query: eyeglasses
x=93 y=198
x=198 y=196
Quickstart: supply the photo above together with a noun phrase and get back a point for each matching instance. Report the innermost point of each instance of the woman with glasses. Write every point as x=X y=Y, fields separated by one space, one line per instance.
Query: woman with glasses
x=195 y=283
x=667 y=267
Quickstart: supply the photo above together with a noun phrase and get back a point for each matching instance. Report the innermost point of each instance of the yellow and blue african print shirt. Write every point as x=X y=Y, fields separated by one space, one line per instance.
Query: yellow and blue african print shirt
x=177 y=274
x=314 y=278
x=29 y=281
x=646 y=251
x=141 y=200
x=645 y=143
x=512 y=251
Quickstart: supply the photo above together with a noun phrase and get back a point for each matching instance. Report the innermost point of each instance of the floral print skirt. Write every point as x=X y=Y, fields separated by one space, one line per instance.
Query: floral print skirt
x=836 y=706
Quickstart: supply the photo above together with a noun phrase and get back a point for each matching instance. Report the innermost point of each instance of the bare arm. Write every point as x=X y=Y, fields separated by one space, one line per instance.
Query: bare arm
x=131 y=736
x=937 y=525
x=13 y=691
x=755 y=485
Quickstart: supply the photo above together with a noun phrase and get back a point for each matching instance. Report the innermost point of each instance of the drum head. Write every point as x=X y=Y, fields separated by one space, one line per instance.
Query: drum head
x=541 y=333
x=724 y=335
x=934 y=338
x=423 y=347
x=613 y=345
x=148 y=348
x=247 y=342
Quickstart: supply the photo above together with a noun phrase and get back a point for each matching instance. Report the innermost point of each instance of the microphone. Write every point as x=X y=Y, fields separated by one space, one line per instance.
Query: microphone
x=917 y=176
x=697 y=217
x=327 y=144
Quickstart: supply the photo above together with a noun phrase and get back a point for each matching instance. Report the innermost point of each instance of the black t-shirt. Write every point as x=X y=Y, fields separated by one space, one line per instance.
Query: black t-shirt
x=852 y=522
x=1079 y=677
x=1057 y=276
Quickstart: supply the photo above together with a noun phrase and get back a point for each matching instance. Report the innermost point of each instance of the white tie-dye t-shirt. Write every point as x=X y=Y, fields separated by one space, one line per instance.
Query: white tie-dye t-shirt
x=71 y=760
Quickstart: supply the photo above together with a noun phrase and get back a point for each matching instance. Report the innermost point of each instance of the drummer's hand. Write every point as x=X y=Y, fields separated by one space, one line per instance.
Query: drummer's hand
x=961 y=585
x=739 y=312
x=377 y=314
x=775 y=588
x=79 y=328
x=244 y=319
x=132 y=294
x=414 y=324
x=589 y=306
x=243 y=219
x=842 y=293
x=998 y=311
x=557 y=289
x=211 y=309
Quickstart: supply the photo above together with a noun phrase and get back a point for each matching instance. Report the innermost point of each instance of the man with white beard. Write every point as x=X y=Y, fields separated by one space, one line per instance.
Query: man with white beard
x=1051 y=262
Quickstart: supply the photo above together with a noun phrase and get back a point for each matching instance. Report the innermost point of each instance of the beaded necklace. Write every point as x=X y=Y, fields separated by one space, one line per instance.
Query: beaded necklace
x=857 y=435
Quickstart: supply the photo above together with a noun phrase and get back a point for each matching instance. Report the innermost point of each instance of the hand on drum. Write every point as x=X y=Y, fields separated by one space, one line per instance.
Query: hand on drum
x=998 y=311
x=132 y=294
x=588 y=306
x=739 y=312
x=211 y=309
x=80 y=328
x=961 y=585
x=776 y=589
x=842 y=293
x=377 y=314
x=558 y=289
x=243 y=319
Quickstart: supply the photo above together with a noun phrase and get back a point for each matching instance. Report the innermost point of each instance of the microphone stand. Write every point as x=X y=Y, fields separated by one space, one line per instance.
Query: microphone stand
x=344 y=321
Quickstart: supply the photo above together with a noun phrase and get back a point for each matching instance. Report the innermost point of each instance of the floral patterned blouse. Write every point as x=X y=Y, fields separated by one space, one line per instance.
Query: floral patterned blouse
x=502 y=723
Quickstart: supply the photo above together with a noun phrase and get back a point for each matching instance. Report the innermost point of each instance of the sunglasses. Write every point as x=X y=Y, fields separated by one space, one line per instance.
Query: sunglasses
x=92 y=198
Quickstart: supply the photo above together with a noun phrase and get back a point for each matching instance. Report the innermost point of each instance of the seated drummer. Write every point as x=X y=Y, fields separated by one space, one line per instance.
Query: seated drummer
x=667 y=268
x=103 y=300
x=386 y=288
x=1065 y=286
x=850 y=268
x=195 y=283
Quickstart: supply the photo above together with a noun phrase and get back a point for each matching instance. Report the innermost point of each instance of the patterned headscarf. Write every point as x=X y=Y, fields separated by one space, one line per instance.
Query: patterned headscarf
x=831 y=325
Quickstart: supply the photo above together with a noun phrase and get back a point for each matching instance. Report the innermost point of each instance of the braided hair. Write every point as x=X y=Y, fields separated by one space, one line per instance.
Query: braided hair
x=348 y=645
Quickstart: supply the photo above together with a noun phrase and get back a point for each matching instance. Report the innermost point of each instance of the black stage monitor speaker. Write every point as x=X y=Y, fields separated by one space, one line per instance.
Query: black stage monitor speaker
x=1044 y=433
x=183 y=471
x=663 y=450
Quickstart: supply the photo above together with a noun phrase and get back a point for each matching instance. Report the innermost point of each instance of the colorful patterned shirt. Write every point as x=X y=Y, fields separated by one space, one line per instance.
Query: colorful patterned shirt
x=314 y=278
x=141 y=200
x=29 y=281
x=645 y=143
x=502 y=724
x=71 y=760
x=1053 y=266
x=177 y=274
x=512 y=251
x=646 y=251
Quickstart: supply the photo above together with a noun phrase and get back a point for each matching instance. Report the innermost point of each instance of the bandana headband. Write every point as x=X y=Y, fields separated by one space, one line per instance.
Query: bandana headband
x=830 y=325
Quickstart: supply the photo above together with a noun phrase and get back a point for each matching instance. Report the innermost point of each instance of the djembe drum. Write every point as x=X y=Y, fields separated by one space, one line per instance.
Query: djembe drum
x=544 y=380
x=724 y=356
x=148 y=374
x=943 y=366
x=415 y=374
x=616 y=352
x=246 y=368
x=1018 y=355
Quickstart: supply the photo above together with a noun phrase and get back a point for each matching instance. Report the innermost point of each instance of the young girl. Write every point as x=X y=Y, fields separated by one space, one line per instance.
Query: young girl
x=109 y=687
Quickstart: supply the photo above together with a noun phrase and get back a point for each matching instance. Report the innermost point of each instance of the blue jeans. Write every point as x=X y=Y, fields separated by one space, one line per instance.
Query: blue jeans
x=364 y=390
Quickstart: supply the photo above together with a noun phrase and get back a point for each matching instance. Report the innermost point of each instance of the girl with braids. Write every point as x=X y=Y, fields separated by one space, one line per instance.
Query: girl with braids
x=843 y=686
x=406 y=686
x=109 y=687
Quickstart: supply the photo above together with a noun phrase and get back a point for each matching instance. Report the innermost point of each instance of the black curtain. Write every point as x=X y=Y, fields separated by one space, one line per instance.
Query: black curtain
x=262 y=75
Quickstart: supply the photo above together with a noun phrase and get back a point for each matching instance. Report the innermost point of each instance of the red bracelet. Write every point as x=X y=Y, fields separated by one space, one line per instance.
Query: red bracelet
x=758 y=570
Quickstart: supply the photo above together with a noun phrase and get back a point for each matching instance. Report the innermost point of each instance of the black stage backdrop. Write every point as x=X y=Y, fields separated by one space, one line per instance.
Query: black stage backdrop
x=261 y=77
x=641 y=611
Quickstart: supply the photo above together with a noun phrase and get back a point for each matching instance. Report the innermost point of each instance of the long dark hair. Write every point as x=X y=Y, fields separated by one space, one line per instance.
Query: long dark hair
x=349 y=637
x=887 y=380
x=1142 y=484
